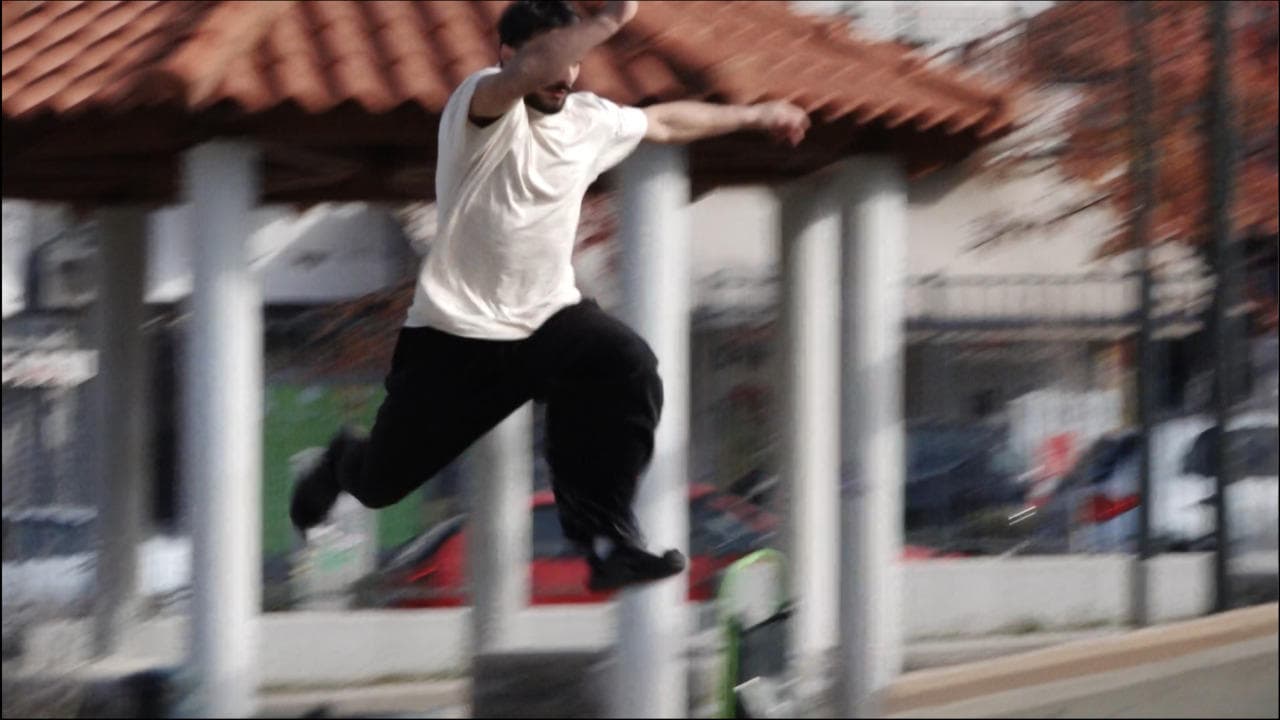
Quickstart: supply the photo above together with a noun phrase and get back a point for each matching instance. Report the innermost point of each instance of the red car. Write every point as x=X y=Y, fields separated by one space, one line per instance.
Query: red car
x=430 y=570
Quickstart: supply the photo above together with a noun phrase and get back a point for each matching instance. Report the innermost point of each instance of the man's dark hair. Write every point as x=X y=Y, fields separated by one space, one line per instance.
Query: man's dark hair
x=525 y=18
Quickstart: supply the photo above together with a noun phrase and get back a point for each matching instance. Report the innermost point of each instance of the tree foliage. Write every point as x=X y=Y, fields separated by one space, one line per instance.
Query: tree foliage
x=1089 y=46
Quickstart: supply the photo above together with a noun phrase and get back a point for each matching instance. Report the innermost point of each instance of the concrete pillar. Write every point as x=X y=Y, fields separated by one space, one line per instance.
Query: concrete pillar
x=810 y=374
x=498 y=546
x=223 y=430
x=650 y=678
x=872 y=452
x=124 y=407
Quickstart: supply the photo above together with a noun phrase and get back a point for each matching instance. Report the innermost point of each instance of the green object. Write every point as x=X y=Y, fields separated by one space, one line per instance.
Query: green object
x=300 y=416
x=733 y=625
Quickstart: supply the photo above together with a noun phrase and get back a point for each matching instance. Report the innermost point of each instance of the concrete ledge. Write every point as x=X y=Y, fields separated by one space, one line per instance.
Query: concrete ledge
x=440 y=698
x=1243 y=636
x=540 y=684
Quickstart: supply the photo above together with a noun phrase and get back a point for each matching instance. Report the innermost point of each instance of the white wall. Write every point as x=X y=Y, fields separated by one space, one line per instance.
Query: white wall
x=986 y=596
x=734 y=228
x=948 y=210
x=25 y=223
x=941 y=598
x=13 y=259
x=939 y=24
x=328 y=252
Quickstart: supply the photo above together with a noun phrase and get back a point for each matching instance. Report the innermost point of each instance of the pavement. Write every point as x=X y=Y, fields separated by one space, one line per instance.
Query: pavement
x=929 y=654
x=947 y=676
x=1223 y=665
x=424 y=699
x=1238 y=680
x=451 y=698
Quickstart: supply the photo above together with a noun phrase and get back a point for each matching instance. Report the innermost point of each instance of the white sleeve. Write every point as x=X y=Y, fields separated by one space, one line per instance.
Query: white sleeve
x=621 y=130
x=461 y=141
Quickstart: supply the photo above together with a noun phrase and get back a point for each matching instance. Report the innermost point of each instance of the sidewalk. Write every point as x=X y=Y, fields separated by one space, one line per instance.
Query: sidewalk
x=926 y=654
x=1223 y=665
x=450 y=698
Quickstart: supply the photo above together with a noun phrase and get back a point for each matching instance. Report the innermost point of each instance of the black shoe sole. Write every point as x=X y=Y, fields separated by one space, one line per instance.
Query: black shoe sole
x=624 y=576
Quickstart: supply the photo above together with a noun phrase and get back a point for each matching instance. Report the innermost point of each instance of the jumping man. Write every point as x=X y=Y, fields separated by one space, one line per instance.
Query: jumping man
x=497 y=319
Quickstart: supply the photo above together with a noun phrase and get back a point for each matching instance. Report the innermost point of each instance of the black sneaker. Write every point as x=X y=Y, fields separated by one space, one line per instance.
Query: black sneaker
x=629 y=565
x=315 y=494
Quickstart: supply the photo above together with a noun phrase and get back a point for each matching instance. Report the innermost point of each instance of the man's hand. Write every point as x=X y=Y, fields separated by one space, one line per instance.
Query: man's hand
x=786 y=122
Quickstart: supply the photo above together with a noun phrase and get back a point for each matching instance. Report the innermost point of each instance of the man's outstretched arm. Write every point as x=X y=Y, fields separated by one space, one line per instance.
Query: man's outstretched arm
x=685 y=121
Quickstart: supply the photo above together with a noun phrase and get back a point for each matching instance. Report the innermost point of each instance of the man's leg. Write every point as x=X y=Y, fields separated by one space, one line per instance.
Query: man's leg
x=443 y=393
x=600 y=382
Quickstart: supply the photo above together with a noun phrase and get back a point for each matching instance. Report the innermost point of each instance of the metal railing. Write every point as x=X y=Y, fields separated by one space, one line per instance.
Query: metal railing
x=978 y=302
x=1013 y=301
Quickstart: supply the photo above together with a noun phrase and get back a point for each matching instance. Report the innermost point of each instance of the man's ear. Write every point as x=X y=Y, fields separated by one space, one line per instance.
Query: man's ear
x=504 y=54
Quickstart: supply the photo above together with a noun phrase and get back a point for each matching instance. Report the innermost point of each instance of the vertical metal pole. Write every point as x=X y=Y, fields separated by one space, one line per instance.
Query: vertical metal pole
x=122 y=384
x=1221 y=157
x=1143 y=169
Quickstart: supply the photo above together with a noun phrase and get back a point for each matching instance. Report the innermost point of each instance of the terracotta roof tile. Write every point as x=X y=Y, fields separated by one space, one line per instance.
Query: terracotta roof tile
x=380 y=55
x=389 y=66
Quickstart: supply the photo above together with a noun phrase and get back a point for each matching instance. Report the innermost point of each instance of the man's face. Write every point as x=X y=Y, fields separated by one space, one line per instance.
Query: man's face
x=550 y=98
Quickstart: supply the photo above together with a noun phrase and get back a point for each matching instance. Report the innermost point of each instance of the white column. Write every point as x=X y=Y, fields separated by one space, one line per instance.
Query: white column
x=810 y=375
x=651 y=675
x=123 y=412
x=872 y=443
x=500 y=477
x=223 y=429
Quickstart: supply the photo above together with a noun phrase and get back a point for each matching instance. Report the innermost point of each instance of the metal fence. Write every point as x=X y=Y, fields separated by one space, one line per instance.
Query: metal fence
x=1020 y=404
x=49 y=423
x=1098 y=301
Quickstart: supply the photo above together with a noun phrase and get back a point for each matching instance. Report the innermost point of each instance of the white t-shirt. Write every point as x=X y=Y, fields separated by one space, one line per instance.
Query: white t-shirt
x=508 y=198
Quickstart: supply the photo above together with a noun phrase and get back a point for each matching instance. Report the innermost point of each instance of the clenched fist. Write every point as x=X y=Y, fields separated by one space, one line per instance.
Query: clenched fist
x=782 y=120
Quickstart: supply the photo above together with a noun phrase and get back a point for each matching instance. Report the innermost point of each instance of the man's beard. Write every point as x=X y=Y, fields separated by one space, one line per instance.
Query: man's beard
x=546 y=105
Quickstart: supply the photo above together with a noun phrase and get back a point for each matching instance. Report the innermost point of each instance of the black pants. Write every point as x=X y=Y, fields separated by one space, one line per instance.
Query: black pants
x=603 y=397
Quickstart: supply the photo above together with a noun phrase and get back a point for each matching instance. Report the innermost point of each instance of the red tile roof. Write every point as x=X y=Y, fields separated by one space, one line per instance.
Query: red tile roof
x=252 y=65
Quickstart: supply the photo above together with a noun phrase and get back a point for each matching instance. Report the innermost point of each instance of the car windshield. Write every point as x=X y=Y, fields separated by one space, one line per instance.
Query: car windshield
x=714 y=531
x=1251 y=452
x=935 y=451
x=548 y=539
x=423 y=546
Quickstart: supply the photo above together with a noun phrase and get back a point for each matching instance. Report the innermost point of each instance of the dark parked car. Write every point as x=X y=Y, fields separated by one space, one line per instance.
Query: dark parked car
x=955 y=472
